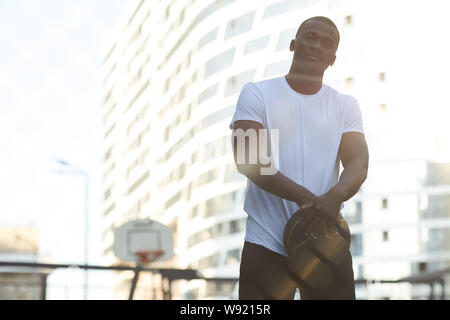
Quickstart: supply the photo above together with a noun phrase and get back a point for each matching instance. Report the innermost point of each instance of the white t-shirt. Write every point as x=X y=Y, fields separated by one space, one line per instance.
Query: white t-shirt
x=310 y=130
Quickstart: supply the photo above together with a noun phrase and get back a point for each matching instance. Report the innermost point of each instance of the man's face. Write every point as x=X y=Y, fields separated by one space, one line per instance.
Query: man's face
x=315 y=47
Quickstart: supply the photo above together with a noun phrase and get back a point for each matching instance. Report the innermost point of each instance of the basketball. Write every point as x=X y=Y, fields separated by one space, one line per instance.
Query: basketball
x=315 y=261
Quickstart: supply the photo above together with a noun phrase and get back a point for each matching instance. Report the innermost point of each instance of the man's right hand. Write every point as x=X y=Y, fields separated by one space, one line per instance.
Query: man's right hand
x=317 y=224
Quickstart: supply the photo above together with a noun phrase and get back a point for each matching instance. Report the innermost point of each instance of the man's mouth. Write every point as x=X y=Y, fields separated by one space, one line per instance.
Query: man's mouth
x=312 y=58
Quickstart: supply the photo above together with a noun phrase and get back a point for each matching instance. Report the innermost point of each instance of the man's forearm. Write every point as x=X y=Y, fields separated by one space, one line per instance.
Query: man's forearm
x=351 y=179
x=283 y=187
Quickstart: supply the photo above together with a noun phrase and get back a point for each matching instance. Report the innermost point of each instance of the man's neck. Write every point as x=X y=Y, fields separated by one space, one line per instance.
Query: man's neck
x=303 y=83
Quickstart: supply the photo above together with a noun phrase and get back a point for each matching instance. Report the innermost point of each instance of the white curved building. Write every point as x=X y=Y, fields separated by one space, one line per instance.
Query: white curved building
x=172 y=77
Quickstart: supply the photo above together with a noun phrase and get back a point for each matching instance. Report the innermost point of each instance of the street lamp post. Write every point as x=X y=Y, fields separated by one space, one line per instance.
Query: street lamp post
x=85 y=174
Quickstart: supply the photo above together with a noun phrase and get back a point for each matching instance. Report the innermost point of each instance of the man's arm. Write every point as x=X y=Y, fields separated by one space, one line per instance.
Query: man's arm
x=277 y=184
x=354 y=155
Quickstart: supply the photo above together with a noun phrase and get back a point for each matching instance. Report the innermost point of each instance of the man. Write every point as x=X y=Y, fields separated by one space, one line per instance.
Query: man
x=318 y=127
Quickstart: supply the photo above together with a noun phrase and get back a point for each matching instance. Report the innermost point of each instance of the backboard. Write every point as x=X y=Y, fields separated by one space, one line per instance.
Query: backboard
x=142 y=235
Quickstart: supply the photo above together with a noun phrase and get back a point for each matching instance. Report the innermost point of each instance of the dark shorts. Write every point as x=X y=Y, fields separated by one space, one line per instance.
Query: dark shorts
x=267 y=275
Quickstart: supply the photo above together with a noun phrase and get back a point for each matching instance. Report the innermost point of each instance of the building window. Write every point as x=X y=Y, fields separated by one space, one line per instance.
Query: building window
x=194 y=293
x=439 y=240
x=231 y=173
x=110 y=130
x=166 y=134
x=218 y=205
x=209 y=261
x=166 y=85
x=194 y=157
x=218 y=230
x=217 y=116
x=110 y=208
x=194 y=76
x=348 y=20
x=212 y=150
x=257 y=44
x=109 y=153
x=208 y=93
x=194 y=212
x=422 y=266
x=239 y=25
x=209 y=37
x=167 y=14
x=385 y=236
x=285 y=39
x=353 y=213
x=336 y=3
x=108 y=250
x=438 y=205
x=383 y=107
x=237 y=225
x=107 y=193
x=356 y=248
x=214 y=289
x=359 y=208
x=285 y=6
x=188 y=191
x=277 y=68
x=361 y=271
x=233 y=257
x=219 y=62
x=182 y=14
x=236 y=82
x=138 y=182
x=382 y=76
x=384 y=203
x=438 y=174
x=349 y=82
x=208 y=177
x=173 y=200
x=181 y=171
x=108 y=171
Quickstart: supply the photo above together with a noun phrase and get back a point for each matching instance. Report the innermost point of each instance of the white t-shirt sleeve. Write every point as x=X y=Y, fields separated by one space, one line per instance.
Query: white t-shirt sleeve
x=250 y=105
x=353 y=118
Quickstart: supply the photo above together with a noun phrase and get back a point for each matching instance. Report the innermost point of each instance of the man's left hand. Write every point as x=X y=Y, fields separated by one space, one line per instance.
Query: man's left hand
x=323 y=222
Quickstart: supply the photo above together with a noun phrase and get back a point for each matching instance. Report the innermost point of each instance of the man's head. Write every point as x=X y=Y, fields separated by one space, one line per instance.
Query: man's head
x=315 y=45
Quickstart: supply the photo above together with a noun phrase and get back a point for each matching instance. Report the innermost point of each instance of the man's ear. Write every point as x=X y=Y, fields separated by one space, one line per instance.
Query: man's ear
x=332 y=61
x=292 y=45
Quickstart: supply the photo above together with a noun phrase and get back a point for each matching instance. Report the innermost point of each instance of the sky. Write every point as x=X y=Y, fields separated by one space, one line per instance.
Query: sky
x=51 y=100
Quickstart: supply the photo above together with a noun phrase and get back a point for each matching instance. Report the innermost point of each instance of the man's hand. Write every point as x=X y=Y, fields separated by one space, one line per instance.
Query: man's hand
x=320 y=216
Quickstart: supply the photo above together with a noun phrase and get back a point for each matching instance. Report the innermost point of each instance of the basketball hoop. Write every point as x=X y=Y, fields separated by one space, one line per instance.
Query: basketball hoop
x=148 y=256
x=140 y=241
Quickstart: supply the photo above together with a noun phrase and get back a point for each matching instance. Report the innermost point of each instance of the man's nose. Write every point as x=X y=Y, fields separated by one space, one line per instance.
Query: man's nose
x=316 y=44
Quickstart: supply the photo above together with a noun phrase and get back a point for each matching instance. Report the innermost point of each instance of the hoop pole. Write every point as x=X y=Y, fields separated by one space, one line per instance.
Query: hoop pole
x=135 y=280
x=142 y=258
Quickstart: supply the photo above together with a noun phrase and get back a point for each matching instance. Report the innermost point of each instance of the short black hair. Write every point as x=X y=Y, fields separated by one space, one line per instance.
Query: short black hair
x=320 y=18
